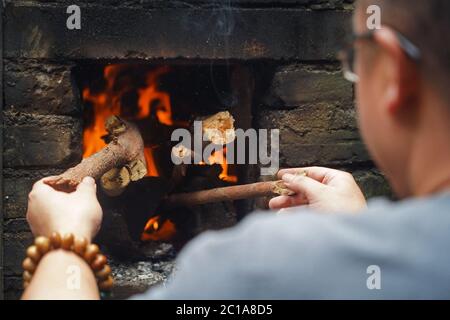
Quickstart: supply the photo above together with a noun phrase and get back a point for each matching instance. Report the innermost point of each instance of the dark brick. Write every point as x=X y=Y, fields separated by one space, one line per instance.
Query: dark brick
x=320 y=134
x=33 y=140
x=295 y=85
x=16 y=225
x=15 y=245
x=16 y=186
x=13 y=287
x=35 y=87
x=324 y=154
x=372 y=183
x=115 y=32
x=15 y=196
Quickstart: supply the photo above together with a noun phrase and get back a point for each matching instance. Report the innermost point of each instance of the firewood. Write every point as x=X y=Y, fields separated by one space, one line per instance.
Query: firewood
x=115 y=181
x=245 y=191
x=219 y=128
x=126 y=148
x=155 y=133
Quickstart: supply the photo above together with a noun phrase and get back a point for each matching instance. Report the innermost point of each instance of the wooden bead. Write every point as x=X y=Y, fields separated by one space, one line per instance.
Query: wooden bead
x=107 y=284
x=27 y=276
x=42 y=244
x=103 y=273
x=29 y=265
x=90 y=253
x=67 y=241
x=33 y=253
x=79 y=246
x=98 y=263
x=56 y=240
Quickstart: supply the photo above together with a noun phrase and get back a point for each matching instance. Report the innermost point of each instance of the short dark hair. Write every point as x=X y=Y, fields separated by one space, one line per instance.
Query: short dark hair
x=427 y=24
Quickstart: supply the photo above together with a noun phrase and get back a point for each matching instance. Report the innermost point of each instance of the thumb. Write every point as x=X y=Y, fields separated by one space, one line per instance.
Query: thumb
x=303 y=185
x=87 y=186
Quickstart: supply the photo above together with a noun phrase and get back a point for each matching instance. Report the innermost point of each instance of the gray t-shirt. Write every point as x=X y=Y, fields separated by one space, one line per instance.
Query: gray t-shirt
x=391 y=251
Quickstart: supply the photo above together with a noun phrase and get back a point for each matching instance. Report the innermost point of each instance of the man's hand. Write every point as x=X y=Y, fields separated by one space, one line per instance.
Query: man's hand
x=78 y=212
x=322 y=189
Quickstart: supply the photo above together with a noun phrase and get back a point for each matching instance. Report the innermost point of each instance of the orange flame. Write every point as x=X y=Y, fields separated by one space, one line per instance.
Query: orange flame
x=109 y=102
x=150 y=94
x=158 y=230
x=219 y=157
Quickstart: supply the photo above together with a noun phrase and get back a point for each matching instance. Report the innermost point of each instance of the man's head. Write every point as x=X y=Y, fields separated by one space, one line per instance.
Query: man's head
x=400 y=97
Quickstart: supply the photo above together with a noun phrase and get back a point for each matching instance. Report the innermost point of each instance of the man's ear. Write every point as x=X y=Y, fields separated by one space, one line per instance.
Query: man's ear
x=403 y=76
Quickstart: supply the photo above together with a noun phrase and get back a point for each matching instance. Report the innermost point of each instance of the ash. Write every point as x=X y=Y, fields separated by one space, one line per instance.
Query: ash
x=134 y=277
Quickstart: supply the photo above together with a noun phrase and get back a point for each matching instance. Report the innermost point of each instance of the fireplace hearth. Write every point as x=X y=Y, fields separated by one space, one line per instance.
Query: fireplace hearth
x=158 y=99
x=269 y=63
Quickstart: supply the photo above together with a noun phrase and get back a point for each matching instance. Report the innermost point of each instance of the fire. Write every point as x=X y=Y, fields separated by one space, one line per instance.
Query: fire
x=150 y=100
x=109 y=102
x=150 y=94
x=158 y=230
x=219 y=157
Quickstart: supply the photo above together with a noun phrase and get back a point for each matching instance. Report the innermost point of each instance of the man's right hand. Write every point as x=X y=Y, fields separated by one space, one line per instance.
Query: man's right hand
x=322 y=189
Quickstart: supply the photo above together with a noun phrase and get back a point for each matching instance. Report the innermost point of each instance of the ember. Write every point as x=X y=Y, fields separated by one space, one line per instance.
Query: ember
x=158 y=230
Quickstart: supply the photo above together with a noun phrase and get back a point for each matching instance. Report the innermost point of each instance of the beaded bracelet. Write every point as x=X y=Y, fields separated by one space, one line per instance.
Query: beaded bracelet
x=89 y=252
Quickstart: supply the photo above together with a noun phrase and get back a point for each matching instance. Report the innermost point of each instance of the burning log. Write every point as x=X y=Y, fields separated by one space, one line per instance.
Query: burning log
x=125 y=150
x=115 y=181
x=217 y=128
x=245 y=191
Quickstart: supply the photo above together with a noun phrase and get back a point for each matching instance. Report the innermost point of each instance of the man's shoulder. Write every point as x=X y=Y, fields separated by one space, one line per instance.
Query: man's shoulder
x=324 y=252
x=382 y=214
x=310 y=255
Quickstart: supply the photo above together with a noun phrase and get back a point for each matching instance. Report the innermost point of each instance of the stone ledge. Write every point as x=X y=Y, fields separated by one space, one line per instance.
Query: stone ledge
x=312 y=4
x=110 y=33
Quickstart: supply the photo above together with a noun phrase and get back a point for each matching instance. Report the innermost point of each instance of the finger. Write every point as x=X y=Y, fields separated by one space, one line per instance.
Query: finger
x=291 y=210
x=282 y=172
x=48 y=178
x=320 y=173
x=87 y=185
x=286 y=202
x=317 y=173
x=42 y=186
x=303 y=185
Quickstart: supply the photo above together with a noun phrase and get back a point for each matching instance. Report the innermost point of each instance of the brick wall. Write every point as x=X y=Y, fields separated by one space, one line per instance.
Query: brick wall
x=42 y=136
x=312 y=105
x=306 y=96
x=1 y=160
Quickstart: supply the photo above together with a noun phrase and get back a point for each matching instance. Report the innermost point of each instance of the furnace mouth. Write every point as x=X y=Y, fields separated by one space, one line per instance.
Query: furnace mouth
x=160 y=98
